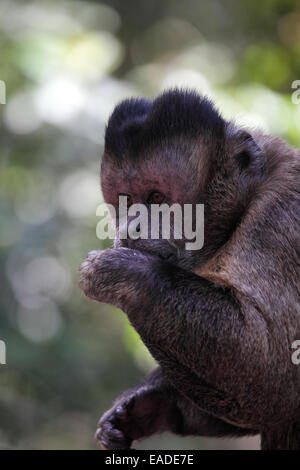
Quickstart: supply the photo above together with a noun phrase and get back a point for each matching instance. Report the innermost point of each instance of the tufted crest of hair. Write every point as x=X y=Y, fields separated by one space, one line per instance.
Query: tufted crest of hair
x=138 y=124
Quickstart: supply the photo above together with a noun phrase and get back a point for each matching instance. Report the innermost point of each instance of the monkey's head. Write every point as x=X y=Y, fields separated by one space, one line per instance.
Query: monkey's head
x=177 y=149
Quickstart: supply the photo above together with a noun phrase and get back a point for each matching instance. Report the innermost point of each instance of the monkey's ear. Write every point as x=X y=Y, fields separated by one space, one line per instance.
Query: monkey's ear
x=248 y=156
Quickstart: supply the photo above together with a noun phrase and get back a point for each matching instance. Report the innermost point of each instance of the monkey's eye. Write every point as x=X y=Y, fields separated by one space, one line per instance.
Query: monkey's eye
x=156 y=198
x=129 y=199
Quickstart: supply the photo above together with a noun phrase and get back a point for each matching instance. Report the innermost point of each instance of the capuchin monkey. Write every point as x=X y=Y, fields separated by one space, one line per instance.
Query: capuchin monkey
x=220 y=320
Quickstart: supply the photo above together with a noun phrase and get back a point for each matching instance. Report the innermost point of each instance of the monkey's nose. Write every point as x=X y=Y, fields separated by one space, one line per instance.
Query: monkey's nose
x=123 y=244
x=130 y=243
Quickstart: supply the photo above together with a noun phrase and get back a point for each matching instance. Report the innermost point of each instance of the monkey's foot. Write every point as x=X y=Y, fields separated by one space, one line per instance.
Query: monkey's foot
x=132 y=417
x=113 y=430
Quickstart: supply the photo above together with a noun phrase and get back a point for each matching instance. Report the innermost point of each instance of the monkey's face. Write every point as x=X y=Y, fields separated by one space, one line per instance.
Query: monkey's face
x=178 y=150
x=157 y=153
x=149 y=198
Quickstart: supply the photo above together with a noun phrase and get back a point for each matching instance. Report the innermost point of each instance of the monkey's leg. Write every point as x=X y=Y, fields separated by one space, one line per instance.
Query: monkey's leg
x=284 y=438
x=153 y=407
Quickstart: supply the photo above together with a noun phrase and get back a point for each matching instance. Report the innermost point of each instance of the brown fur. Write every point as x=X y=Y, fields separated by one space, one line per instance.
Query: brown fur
x=219 y=321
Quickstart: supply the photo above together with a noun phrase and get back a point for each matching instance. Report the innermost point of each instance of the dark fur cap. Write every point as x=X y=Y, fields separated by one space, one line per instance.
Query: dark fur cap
x=137 y=124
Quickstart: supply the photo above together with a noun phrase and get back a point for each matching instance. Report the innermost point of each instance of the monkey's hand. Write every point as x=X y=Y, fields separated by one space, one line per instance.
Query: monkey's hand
x=104 y=275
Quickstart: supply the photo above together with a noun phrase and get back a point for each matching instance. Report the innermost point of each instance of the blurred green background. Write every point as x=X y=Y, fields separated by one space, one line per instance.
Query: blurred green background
x=65 y=65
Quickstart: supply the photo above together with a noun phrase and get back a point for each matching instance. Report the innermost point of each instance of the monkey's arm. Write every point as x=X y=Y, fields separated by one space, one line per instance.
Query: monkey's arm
x=155 y=406
x=195 y=330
